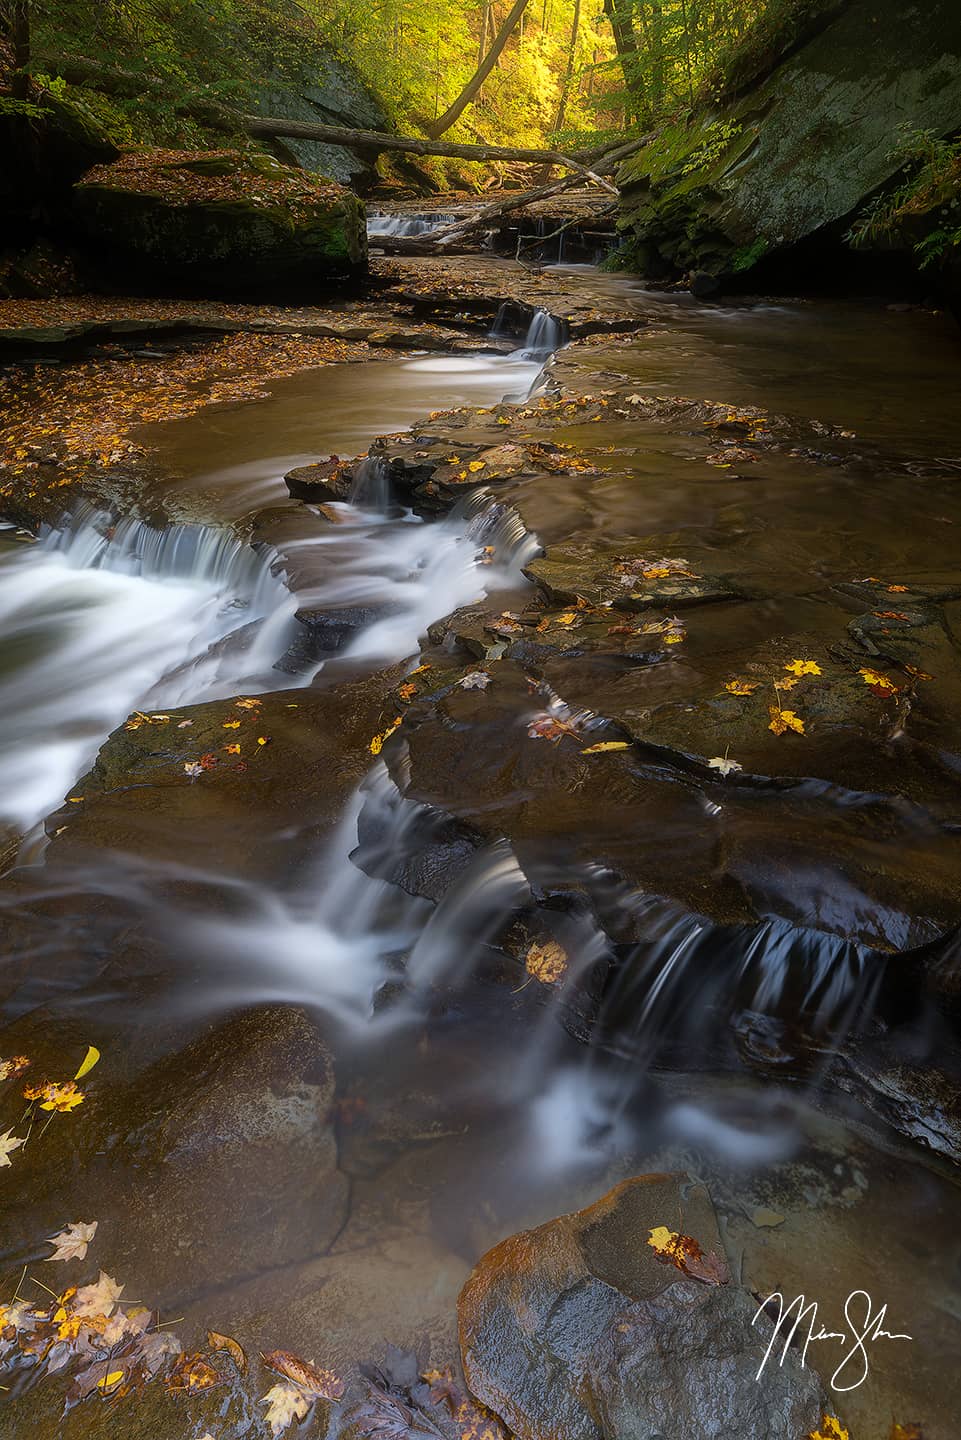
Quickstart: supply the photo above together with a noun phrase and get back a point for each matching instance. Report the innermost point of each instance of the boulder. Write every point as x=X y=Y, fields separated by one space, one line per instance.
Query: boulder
x=798 y=152
x=223 y=222
x=577 y=1331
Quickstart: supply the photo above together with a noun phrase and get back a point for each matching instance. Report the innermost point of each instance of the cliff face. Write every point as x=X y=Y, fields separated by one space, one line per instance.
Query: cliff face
x=794 y=159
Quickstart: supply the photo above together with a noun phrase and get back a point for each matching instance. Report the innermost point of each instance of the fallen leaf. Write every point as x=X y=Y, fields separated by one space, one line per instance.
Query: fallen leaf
x=231 y=725
x=264 y=739
x=474 y=680
x=830 y=1428
x=194 y=1374
x=783 y=720
x=248 y=704
x=318 y=1384
x=184 y=724
x=8 y=1143
x=742 y=687
x=906 y=1432
x=547 y=962
x=100 y=1298
x=567 y=618
x=408 y=691
x=606 y=745
x=89 y=1061
x=897 y=589
x=285 y=1404
x=232 y=749
x=882 y=685
x=476 y=465
x=62 y=1096
x=193 y=768
x=228 y=1343
x=71 y=1243
x=803 y=667
x=378 y=742
x=684 y=1252
x=890 y=615
x=724 y=765
x=14 y=1067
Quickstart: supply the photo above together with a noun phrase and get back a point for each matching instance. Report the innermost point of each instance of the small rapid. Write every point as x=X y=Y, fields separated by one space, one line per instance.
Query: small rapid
x=102 y=618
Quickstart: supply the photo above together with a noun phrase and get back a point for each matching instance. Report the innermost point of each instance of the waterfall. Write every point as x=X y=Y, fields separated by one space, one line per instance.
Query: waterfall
x=102 y=618
x=544 y=335
x=371 y=485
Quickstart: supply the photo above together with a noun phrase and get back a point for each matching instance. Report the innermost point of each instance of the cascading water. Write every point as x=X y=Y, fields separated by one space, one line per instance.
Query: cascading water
x=102 y=618
x=390 y=225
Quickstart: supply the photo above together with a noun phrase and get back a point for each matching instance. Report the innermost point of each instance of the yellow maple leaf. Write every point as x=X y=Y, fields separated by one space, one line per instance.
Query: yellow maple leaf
x=567 y=618
x=742 y=687
x=607 y=745
x=476 y=465
x=232 y=749
x=547 y=962
x=407 y=691
x=803 y=667
x=882 y=685
x=231 y=725
x=830 y=1428
x=783 y=720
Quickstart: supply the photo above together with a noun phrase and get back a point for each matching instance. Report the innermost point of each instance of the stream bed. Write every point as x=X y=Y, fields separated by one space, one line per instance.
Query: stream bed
x=328 y=1083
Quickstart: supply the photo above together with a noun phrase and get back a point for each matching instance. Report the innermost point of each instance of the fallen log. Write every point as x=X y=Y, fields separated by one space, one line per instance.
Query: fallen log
x=375 y=141
x=447 y=236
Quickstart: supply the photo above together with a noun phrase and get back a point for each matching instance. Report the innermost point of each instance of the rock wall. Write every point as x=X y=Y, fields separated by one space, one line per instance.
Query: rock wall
x=793 y=159
x=329 y=94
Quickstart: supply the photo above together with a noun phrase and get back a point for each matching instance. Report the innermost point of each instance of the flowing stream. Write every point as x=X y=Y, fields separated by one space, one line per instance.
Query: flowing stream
x=468 y=1104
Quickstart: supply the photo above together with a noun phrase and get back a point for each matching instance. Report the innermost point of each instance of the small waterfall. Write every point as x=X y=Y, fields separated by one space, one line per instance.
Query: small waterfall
x=371 y=486
x=401 y=225
x=102 y=618
x=545 y=334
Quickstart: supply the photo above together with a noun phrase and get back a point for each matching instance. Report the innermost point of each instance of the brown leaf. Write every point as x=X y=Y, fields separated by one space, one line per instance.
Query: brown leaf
x=228 y=1343
x=323 y=1384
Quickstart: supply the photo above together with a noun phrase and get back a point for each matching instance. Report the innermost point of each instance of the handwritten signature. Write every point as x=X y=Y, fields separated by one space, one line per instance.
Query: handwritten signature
x=864 y=1327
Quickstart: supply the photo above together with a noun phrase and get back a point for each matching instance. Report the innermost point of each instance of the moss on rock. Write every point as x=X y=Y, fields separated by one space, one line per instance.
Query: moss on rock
x=229 y=222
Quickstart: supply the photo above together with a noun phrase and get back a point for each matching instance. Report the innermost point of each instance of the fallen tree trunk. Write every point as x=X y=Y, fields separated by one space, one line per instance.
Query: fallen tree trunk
x=481 y=219
x=270 y=127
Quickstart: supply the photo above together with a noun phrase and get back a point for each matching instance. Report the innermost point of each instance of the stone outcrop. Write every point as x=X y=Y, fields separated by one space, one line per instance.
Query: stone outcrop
x=794 y=158
x=221 y=222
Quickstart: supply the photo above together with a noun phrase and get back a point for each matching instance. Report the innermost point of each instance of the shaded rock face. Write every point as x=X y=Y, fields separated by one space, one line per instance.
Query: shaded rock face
x=801 y=151
x=226 y=223
x=576 y=1331
x=332 y=96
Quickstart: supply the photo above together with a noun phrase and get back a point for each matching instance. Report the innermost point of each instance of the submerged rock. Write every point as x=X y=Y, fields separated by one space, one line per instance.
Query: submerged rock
x=576 y=1331
x=227 y=222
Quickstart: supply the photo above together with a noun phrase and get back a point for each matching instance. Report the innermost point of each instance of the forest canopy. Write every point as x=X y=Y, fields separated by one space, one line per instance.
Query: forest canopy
x=564 y=72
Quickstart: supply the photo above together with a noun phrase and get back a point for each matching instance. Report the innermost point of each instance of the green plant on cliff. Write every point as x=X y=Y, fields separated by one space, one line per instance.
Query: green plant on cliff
x=923 y=212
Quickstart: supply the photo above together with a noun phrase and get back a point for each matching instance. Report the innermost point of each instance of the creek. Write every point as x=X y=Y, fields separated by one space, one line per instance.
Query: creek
x=470 y=1101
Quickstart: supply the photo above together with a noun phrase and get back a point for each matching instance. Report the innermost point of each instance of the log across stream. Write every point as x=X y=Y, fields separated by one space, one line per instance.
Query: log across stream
x=378 y=840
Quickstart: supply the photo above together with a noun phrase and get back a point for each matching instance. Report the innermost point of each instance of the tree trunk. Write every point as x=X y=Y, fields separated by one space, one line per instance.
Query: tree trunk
x=565 y=83
x=618 y=13
x=471 y=89
x=19 y=24
x=375 y=141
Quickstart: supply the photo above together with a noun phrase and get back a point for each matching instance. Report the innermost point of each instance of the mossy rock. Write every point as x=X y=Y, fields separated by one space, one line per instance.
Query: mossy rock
x=224 y=222
x=798 y=153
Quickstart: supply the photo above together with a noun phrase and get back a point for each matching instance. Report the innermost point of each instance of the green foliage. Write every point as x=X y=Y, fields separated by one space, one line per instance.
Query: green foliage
x=712 y=147
x=923 y=211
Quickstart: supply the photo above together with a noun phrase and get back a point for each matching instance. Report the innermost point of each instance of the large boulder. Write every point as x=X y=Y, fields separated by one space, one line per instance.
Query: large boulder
x=795 y=155
x=578 y=1331
x=328 y=92
x=223 y=222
